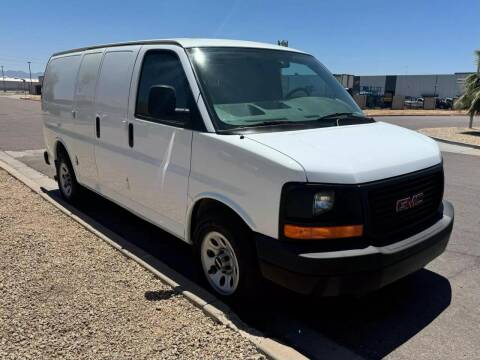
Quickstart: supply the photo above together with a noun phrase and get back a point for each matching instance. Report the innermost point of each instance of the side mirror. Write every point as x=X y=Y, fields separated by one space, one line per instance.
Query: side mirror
x=161 y=101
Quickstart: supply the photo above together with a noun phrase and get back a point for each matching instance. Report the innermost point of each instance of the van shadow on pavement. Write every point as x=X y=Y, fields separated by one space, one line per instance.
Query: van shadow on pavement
x=371 y=326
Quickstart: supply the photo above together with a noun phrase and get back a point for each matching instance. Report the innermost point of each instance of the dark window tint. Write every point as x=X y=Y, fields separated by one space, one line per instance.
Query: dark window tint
x=59 y=84
x=164 y=68
x=250 y=87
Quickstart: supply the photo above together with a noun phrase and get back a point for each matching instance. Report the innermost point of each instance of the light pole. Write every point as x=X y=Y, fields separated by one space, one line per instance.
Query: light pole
x=3 y=77
x=30 y=71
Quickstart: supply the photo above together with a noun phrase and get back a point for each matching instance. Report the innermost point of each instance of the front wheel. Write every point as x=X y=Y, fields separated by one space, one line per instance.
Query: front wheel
x=220 y=263
x=228 y=258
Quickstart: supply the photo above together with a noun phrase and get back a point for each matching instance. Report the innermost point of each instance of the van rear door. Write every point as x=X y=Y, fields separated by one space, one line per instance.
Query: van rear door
x=57 y=101
x=84 y=118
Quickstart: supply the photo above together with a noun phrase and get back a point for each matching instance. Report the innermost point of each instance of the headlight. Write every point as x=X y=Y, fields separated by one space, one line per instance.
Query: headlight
x=320 y=211
x=323 y=202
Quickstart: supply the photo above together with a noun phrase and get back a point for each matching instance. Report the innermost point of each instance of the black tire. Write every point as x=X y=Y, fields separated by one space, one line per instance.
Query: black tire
x=240 y=239
x=65 y=174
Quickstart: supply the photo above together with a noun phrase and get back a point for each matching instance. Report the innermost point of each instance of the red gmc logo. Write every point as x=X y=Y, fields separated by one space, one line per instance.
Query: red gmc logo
x=409 y=202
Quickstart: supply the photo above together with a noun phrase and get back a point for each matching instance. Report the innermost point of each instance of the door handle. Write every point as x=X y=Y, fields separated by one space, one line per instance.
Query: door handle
x=130 y=134
x=97 y=126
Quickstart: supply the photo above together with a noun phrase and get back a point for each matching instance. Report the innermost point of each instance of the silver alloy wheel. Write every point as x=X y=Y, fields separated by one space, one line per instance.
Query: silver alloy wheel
x=65 y=179
x=219 y=263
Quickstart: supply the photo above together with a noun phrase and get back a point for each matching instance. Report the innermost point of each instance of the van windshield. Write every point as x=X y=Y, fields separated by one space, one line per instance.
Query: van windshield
x=250 y=88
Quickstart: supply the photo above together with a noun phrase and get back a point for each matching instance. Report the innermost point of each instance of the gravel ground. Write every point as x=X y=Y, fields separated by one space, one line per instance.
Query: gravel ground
x=457 y=134
x=66 y=294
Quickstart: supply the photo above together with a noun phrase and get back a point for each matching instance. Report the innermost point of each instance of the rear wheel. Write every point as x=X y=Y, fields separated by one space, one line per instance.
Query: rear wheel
x=227 y=257
x=67 y=182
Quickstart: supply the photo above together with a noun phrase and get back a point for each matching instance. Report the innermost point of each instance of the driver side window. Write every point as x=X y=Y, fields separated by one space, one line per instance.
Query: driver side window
x=163 y=68
x=299 y=80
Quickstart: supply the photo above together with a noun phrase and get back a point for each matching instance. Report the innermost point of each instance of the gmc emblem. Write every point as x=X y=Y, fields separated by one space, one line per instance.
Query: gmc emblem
x=409 y=202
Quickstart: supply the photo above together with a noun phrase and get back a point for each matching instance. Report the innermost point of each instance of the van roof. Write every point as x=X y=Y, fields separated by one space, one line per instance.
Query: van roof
x=188 y=43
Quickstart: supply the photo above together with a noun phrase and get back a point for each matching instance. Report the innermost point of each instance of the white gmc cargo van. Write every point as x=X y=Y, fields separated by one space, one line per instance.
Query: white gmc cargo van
x=252 y=153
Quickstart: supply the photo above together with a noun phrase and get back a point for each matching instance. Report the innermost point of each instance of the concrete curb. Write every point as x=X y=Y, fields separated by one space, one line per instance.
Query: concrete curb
x=209 y=304
x=477 y=147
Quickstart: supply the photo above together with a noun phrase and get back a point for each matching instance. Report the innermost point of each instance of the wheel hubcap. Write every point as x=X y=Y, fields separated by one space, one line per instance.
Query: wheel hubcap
x=65 y=179
x=219 y=263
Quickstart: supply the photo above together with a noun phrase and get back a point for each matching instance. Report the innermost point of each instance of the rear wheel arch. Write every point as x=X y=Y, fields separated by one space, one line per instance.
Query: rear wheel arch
x=61 y=148
x=66 y=177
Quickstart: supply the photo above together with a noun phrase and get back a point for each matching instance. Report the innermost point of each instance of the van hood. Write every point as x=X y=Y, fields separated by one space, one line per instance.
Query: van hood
x=354 y=154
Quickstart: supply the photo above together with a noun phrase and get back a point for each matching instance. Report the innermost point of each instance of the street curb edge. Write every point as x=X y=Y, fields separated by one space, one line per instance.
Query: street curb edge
x=215 y=309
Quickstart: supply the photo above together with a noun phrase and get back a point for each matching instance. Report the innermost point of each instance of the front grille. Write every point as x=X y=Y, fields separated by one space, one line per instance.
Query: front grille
x=389 y=220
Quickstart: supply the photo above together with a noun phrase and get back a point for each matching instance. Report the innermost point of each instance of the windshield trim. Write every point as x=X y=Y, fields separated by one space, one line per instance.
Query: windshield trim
x=294 y=125
x=210 y=111
x=288 y=126
x=253 y=128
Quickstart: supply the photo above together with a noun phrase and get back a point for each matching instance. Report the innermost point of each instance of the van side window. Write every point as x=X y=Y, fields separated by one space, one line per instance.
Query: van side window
x=59 y=86
x=87 y=78
x=113 y=87
x=163 y=69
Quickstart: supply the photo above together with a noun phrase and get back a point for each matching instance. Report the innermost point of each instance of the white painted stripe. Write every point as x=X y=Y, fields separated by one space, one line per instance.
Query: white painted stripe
x=23 y=153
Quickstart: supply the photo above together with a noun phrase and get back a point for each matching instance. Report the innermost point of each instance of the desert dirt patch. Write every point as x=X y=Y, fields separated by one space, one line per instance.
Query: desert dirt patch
x=67 y=294
x=457 y=134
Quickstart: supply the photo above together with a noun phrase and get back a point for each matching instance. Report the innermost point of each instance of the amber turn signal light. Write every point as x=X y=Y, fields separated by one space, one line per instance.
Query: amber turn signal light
x=323 y=232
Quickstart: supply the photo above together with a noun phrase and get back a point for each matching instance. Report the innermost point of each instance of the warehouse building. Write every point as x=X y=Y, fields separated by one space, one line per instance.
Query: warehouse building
x=381 y=90
x=443 y=86
x=19 y=85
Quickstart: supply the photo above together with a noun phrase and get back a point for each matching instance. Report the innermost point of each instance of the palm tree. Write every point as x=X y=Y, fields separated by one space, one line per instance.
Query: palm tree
x=470 y=100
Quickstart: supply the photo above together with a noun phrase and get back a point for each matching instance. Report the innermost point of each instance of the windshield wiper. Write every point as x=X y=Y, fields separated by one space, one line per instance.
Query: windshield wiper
x=346 y=118
x=339 y=114
x=264 y=124
x=269 y=123
x=274 y=122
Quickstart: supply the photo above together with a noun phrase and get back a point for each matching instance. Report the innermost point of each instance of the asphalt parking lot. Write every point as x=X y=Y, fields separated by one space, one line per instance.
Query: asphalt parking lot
x=434 y=313
x=419 y=122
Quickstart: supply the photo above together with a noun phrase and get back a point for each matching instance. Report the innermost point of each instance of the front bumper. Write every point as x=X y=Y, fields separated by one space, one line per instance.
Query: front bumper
x=352 y=271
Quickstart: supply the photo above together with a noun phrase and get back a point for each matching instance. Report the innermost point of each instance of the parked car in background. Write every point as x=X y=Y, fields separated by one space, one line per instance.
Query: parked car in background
x=252 y=153
x=444 y=103
x=416 y=103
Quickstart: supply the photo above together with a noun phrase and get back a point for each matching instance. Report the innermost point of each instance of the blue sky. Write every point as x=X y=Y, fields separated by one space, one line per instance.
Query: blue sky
x=357 y=37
